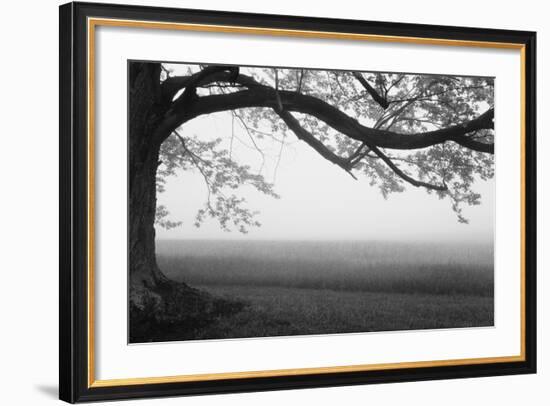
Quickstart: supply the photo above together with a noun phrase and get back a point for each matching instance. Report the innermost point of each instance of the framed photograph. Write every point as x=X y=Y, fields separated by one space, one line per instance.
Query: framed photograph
x=256 y=202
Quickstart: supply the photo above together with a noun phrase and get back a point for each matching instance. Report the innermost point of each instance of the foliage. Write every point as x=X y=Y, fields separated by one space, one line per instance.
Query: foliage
x=399 y=103
x=221 y=174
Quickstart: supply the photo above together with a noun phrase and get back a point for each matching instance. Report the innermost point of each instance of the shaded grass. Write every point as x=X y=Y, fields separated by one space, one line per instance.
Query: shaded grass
x=275 y=311
x=300 y=288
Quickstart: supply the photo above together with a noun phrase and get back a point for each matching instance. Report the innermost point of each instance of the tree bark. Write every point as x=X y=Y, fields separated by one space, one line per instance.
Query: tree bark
x=160 y=309
x=144 y=107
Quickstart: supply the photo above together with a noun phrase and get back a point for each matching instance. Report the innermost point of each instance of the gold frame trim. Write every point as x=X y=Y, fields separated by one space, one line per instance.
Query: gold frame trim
x=94 y=22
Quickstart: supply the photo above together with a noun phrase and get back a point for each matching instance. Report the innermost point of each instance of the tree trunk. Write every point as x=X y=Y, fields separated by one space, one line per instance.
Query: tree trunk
x=144 y=104
x=145 y=275
x=160 y=308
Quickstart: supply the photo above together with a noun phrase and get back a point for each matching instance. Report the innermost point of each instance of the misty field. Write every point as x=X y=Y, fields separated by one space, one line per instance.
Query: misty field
x=323 y=287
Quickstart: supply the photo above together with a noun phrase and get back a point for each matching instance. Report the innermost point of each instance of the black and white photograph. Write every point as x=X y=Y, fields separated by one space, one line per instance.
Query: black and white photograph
x=277 y=201
x=268 y=203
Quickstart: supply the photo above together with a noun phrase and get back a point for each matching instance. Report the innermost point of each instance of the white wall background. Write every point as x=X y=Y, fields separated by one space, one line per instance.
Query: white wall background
x=28 y=207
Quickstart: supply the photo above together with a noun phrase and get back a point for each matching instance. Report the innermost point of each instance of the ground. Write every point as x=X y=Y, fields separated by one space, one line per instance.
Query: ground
x=291 y=288
x=275 y=311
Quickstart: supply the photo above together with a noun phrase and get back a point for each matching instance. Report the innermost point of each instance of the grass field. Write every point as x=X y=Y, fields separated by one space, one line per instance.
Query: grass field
x=295 y=288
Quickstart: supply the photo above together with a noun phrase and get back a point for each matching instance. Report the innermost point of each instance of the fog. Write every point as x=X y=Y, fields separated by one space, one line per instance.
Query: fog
x=319 y=201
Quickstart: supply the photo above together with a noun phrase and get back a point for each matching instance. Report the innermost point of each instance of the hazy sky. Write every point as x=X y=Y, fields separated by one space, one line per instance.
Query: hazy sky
x=319 y=200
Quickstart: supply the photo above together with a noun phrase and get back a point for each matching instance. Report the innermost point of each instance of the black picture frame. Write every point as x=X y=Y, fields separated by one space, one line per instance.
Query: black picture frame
x=74 y=385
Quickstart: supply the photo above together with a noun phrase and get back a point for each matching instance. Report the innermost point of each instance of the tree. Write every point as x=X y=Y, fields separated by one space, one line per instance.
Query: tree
x=426 y=131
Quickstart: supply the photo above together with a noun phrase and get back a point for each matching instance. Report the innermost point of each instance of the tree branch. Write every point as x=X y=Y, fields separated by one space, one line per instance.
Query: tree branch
x=258 y=95
x=190 y=93
x=371 y=90
x=359 y=154
x=196 y=159
x=403 y=175
x=313 y=142
x=215 y=73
